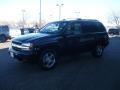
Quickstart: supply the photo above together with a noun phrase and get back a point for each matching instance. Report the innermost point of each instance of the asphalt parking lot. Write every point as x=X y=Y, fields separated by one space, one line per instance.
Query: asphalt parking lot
x=80 y=72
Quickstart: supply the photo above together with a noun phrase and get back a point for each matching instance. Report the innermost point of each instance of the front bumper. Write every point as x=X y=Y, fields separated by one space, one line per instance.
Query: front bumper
x=22 y=55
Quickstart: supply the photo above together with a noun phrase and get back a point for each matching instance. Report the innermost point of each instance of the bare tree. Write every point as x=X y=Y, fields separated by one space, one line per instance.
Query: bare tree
x=114 y=18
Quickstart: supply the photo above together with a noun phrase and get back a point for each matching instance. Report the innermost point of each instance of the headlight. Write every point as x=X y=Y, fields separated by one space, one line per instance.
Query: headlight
x=26 y=46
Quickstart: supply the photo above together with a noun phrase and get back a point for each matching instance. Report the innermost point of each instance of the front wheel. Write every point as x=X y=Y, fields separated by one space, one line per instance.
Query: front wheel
x=98 y=51
x=48 y=59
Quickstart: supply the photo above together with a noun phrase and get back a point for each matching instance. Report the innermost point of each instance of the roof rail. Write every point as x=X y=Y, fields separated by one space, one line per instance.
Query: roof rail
x=71 y=19
x=79 y=19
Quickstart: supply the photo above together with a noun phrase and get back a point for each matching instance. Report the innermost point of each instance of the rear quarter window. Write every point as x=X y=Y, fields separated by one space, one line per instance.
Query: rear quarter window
x=92 y=27
x=101 y=27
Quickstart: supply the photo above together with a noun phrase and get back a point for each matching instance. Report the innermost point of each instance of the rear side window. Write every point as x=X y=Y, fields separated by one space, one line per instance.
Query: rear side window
x=88 y=27
x=74 y=28
x=91 y=27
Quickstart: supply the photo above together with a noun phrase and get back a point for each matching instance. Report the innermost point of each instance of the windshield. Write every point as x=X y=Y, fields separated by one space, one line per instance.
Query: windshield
x=53 y=28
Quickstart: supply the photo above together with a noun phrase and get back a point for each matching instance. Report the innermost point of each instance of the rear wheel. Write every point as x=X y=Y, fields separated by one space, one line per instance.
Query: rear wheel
x=2 y=38
x=98 y=51
x=48 y=59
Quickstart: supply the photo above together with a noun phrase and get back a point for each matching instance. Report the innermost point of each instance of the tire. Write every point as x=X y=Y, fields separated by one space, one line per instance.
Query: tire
x=98 y=51
x=48 y=59
x=2 y=38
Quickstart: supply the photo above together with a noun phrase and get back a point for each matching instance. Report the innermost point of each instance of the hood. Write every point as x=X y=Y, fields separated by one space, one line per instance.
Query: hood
x=30 y=37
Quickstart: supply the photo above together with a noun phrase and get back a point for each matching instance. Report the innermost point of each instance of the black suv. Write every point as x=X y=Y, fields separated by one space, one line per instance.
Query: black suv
x=60 y=38
x=27 y=30
x=4 y=33
x=114 y=31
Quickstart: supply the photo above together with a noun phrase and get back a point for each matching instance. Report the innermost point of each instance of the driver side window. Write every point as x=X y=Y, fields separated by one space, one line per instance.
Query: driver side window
x=52 y=27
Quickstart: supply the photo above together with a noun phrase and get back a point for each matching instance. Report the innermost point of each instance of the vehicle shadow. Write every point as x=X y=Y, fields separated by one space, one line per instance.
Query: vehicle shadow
x=9 y=64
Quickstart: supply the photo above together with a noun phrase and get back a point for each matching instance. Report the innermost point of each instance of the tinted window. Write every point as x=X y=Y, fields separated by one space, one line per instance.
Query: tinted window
x=77 y=28
x=101 y=28
x=85 y=27
x=91 y=27
x=74 y=28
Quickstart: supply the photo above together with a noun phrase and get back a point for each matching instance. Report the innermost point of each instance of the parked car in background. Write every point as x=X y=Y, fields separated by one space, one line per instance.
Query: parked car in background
x=4 y=33
x=113 y=31
x=15 y=32
x=60 y=38
x=27 y=30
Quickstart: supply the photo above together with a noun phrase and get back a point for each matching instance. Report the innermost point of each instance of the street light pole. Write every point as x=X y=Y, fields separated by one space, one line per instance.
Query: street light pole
x=40 y=15
x=59 y=5
x=23 y=17
x=77 y=14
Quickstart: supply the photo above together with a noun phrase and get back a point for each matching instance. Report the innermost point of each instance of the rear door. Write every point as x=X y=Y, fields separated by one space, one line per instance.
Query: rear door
x=72 y=37
x=88 y=36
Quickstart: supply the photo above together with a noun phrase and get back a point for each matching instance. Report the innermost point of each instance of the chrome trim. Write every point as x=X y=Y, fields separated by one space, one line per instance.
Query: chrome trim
x=16 y=45
x=20 y=46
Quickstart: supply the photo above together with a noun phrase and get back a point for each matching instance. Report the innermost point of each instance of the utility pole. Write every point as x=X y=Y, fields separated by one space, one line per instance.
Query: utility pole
x=59 y=5
x=23 y=18
x=40 y=16
x=77 y=14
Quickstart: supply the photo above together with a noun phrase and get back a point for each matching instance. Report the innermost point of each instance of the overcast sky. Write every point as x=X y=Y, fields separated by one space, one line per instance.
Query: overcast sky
x=11 y=10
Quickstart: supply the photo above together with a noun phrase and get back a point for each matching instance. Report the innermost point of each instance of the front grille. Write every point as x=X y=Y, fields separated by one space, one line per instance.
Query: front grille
x=16 y=45
x=16 y=48
x=16 y=42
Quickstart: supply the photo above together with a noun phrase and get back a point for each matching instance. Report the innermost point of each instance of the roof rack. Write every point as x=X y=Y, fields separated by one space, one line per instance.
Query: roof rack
x=71 y=19
x=78 y=19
